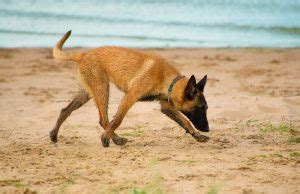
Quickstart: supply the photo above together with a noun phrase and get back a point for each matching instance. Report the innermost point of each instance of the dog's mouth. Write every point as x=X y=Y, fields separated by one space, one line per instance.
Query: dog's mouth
x=199 y=120
x=203 y=129
x=201 y=125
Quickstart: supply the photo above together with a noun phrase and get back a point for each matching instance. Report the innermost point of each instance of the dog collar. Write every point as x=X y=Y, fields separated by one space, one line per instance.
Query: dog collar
x=176 y=79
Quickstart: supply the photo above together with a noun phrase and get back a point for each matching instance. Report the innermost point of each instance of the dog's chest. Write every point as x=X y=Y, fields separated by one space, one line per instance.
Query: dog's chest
x=152 y=97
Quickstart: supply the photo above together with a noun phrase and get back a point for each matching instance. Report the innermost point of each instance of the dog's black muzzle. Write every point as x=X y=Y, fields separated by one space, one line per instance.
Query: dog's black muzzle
x=199 y=119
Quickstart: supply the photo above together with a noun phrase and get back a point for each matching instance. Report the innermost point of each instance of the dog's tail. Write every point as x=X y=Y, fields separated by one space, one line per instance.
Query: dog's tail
x=61 y=55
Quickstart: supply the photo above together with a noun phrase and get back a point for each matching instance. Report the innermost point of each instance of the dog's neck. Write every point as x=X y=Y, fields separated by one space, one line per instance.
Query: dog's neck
x=168 y=81
x=169 y=76
x=174 y=81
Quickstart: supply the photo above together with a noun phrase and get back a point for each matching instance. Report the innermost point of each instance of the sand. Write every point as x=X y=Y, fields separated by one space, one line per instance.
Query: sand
x=254 y=106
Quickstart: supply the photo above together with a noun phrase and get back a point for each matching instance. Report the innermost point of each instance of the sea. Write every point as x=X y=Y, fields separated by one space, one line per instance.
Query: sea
x=151 y=23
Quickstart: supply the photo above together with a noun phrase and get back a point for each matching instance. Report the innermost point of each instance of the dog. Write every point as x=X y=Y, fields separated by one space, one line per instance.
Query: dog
x=142 y=76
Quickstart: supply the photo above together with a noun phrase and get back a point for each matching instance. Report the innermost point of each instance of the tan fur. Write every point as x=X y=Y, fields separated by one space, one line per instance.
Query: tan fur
x=135 y=73
x=178 y=98
x=59 y=55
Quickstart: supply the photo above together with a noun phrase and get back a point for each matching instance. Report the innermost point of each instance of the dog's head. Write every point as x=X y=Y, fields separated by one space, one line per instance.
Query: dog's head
x=190 y=100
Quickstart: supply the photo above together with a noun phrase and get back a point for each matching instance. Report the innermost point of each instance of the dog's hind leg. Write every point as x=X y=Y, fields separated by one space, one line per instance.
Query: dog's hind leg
x=127 y=101
x=140 y=85
x=100 y=91
x=101 y=95
x=80 y=99
x=131 y=97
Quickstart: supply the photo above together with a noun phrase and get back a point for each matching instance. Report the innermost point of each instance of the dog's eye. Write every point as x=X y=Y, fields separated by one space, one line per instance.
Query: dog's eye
x=203 y=107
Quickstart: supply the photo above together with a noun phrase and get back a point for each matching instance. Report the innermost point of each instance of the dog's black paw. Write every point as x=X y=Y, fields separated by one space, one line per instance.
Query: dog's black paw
x=105 y=140
x=119 y=140
x=53 y=136
x=200 y=138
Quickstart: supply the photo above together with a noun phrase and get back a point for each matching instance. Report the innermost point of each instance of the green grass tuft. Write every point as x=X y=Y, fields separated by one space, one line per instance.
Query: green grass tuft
x=137 y=133
x=14 y=182
x=214 y=189
x=20 y=184
x=294 y=139
x=283 y=127
x=138 y=191
x=294 y=154
x=277 y=155
x=153 y=161
x=65 y=186
x=146 y=191
x=251 y=122
x=262 y=155
x=189 y=161
x=153 y=187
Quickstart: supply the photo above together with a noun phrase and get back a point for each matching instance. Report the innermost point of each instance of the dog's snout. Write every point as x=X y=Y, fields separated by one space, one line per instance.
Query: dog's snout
x=204 y=129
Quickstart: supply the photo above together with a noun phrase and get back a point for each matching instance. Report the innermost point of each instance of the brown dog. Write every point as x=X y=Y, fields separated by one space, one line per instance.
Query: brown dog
x=142 y=77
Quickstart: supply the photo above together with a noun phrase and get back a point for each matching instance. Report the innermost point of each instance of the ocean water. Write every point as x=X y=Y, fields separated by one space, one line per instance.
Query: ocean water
x=151 y=23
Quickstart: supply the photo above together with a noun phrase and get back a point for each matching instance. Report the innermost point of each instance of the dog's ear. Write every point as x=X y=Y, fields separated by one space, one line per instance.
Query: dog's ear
x=201 y=83
x=190 y=89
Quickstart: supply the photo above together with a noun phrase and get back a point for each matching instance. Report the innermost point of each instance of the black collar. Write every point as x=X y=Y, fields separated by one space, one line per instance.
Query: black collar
x=176 y=79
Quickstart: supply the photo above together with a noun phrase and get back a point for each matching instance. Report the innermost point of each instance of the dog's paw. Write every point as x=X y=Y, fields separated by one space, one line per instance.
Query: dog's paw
x=119 y=140
x=53 y=136
x=200 y=138
x=105 y=140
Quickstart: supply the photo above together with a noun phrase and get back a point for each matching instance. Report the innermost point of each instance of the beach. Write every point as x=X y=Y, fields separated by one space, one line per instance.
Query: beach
x=253 y=95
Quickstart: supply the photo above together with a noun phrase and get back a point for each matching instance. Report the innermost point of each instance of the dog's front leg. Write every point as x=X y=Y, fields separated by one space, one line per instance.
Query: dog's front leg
x=127 y=101
x=175 y=115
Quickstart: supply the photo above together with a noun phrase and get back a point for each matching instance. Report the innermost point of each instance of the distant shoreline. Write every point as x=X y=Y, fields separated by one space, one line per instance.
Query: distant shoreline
x=162 y=48
x=172 y=24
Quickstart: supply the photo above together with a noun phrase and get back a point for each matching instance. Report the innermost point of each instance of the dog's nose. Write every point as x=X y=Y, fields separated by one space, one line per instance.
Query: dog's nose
x=206 y=129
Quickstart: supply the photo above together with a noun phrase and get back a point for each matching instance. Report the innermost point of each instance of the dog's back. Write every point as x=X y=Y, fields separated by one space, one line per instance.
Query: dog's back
x=121 y=65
